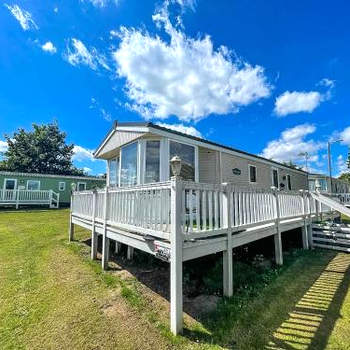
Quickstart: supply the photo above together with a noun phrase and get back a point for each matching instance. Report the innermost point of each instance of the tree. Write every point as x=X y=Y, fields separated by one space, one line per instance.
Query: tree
x=41 y=150
x=345 y=177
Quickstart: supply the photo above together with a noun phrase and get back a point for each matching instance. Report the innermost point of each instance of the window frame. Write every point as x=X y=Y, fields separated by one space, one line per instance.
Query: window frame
x=278 y=177
x=37 y=181
x=144 y=157
x=196 y=165
x=256 y=174
x=81 y=183
x=117 y=172
x=138 y=162
x=289 y=182
x=4 y=185
x=59 y=186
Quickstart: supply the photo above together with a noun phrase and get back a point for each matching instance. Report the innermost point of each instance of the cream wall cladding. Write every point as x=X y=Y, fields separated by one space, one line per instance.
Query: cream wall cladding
x=263 y=173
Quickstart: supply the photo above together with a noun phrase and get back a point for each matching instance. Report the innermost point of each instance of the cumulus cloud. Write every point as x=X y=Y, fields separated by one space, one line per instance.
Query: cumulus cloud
x=296 y=102
x=291 y=143
x=185 y=77
x=81 y=154
x=291 y=102
x=49 y=47
x=78 y=54
x=87 y=170
x=189 y=130
x=345 y=136
x=23 y=17
x=3 y=146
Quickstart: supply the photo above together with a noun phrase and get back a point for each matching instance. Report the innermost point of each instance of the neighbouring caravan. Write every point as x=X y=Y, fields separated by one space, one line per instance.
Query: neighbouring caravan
x=326 y=184
x=139 y=153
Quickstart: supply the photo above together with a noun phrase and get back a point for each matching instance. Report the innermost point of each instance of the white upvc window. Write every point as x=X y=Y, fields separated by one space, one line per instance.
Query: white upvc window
x=252 y=174
x=289 y=183
x=61 y=186
x=81 y=186
x=33 y=185
x=113 y=172
x=129 y=165
x=189 y=156
x=275 y=177
x=152 y=161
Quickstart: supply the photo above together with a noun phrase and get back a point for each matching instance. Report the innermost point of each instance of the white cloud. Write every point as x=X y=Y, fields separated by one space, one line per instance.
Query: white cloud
x=100 y=3
x=22 y=16
x=105 y=115
x=291 y=143
x=87 y=170
x=3 y=146
x=345 y=136
x=81 y=154
x=329 y=83
x=185 y=77
x=296 y=102
x=341 y=165
x=77 y=54
x=49 y=47
x=189 y=130
x=55 y=9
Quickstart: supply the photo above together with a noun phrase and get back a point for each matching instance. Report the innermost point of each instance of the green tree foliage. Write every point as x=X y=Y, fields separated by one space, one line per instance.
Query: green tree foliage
x=41 y=150
x=345 y=177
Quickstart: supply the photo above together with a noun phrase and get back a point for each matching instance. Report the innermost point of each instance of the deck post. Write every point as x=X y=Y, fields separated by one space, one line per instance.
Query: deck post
x=277 y=236
x=17 y=198
x=304 y=230
x=105 y=239
x=118 y=247
x=130 y=253
x=176 y=244
x=227 y=254
x=94 y=235
x=71 y=225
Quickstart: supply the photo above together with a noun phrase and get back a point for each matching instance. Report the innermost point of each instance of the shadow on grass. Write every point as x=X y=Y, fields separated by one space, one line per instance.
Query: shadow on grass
x=305 y=320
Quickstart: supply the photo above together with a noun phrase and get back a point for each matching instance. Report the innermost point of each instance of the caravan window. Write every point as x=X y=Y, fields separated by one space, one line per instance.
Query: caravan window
x=252 y=174
x=187 y=155
x=275 y=178
x=114 y=172
x=128 y=171
x=152 y=171
x=33 y=185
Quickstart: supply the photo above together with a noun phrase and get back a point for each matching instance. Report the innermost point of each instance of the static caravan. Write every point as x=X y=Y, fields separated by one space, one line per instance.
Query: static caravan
x=327 y=184
x=139 y=153
x=29 y=188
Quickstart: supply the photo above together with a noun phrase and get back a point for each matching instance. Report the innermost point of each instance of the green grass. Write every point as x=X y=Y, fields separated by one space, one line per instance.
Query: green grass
x=52 y=296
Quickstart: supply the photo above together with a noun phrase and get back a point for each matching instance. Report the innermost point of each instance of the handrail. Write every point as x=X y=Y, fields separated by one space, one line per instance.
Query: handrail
x=206 y=209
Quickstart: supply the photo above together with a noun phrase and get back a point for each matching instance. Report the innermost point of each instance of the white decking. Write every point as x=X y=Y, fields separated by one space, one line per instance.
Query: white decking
x=28 y=197
x=178 y=221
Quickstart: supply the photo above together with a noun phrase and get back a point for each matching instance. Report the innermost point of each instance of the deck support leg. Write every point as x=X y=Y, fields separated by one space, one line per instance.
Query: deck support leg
x=311 y=242
x=176 y=244
x=105 y=239
x=130 y=253
x=71 y=229
x=118 y=247
x=305 y=236
x=94 y=240
x=228 y=273
x=278 y=249
x=105 y=252
x=227 y=254
x=277 y=236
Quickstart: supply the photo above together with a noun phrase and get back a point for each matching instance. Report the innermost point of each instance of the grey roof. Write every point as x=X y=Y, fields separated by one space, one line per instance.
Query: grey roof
x=14 y=173
x=155 y=126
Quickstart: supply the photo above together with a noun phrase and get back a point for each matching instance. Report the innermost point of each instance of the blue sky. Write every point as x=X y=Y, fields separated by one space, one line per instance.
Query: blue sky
x=268 y=77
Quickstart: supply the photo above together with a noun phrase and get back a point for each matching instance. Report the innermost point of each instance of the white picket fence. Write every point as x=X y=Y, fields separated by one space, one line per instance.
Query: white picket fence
x=29 y=197
x=206 y=209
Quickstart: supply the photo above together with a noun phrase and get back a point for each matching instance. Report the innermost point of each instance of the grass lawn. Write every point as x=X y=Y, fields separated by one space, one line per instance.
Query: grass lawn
x=53 y=297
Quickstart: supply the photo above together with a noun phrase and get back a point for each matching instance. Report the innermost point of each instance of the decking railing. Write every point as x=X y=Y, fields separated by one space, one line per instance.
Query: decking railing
x=206 y=209
x=28 y=197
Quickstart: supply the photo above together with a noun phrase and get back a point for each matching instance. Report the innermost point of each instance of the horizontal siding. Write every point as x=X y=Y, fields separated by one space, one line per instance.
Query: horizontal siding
x=118 y=139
